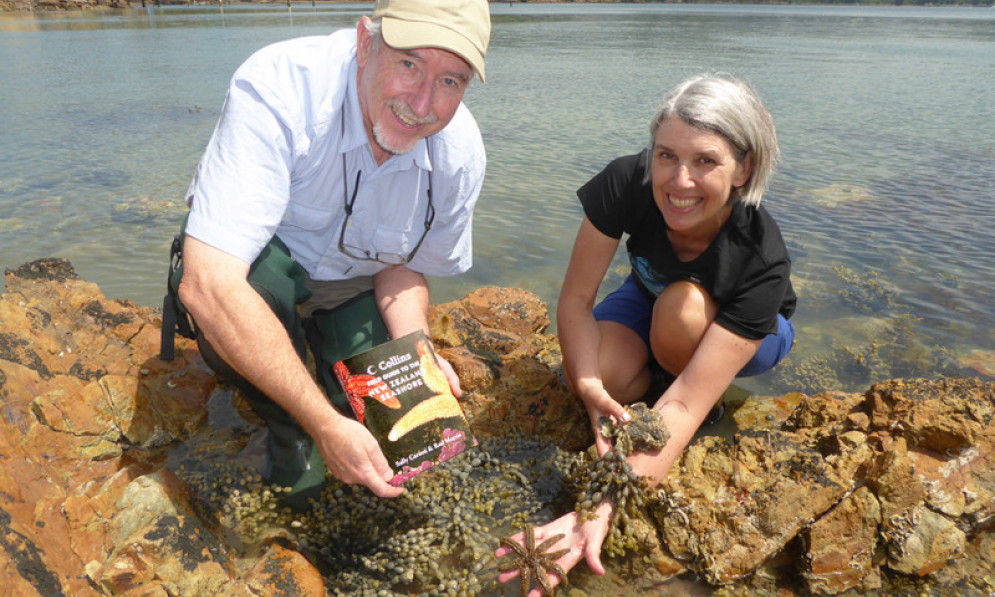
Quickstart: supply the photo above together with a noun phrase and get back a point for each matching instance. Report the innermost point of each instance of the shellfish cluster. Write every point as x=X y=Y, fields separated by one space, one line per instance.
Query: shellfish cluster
x=611 y=478
x=438 y=538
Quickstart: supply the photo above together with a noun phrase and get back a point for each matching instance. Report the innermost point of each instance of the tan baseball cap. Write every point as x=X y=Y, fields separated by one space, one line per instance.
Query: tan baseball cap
x=460 y=26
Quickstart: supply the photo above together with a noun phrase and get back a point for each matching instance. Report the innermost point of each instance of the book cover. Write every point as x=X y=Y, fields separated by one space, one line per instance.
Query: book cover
x=400 y=393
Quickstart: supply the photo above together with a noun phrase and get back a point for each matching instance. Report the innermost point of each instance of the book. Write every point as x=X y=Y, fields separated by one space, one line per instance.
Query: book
x=399 y=392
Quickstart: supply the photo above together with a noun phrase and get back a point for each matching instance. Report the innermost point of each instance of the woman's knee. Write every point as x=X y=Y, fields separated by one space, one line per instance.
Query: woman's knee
x=685 y=303
x=681 y=315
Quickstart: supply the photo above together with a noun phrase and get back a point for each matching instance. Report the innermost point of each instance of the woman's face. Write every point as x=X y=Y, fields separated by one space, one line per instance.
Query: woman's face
x=693 y=173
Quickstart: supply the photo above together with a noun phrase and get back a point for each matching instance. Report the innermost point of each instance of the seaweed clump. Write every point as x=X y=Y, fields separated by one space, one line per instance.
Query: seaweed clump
x=867 y=292
x=436 y=539
x=896 y=350
x=896 y=353
x=611 y=477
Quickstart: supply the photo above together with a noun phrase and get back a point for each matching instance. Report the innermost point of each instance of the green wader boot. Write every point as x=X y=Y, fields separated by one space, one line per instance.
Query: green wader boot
x=292 y=458
x=333 y=334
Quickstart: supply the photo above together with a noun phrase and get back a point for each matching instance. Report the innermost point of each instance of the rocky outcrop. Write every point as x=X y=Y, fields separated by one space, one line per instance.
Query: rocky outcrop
x=87 y=506
x=818 y=494
x=901 y=478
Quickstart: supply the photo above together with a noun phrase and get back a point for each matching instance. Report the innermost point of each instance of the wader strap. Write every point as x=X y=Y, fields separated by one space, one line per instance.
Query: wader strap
x=175 y=319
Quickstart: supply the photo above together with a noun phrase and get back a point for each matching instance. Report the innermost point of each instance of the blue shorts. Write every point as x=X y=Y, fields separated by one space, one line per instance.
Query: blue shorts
x=633 y=309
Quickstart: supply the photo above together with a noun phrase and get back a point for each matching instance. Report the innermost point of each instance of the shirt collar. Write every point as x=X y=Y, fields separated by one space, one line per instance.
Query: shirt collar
x=355 y=133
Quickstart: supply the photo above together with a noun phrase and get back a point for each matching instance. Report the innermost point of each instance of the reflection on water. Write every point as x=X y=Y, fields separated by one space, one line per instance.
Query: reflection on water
x=885 y=184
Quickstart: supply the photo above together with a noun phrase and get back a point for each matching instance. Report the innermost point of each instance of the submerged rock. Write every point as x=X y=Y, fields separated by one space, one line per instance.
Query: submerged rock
x=816 y=494
x=837 y=194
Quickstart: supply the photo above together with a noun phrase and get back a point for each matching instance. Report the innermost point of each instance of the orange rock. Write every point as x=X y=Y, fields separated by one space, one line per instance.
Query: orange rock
x=283 y=572
x=88 y=507
x=841 y=544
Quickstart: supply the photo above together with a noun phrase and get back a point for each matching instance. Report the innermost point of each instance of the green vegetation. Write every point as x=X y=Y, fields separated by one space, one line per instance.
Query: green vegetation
x=896 y=349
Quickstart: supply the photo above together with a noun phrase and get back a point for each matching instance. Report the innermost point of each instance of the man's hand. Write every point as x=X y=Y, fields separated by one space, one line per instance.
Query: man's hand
x=353 y=456
x=582 y=539
x=451 y=376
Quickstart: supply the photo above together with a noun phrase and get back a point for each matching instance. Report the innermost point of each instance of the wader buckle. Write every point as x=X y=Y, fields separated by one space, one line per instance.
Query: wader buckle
x=175 y=319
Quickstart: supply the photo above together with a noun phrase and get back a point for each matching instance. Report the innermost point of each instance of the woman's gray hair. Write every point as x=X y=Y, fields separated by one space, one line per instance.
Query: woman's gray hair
x=724 y=105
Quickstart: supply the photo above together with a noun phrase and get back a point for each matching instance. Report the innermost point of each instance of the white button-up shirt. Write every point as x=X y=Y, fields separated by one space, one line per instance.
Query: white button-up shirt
x=274 y=165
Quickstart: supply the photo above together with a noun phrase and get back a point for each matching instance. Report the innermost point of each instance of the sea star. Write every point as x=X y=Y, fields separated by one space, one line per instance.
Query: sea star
x=534 y=560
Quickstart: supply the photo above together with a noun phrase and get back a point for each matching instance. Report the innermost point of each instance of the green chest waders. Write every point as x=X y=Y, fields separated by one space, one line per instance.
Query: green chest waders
x=292 y=458
x=339 y=333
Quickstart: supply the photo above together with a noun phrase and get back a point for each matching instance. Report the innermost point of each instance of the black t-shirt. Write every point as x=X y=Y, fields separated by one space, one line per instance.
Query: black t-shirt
x=746 y=269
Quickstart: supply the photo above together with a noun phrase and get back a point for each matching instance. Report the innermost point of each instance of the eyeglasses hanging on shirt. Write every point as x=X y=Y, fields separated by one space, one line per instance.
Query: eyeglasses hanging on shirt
x=380 y=256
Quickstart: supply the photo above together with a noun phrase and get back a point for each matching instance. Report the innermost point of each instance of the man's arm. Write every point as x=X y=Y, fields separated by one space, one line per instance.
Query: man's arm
x=403 y=298
x=240 y=326
x=580 y=337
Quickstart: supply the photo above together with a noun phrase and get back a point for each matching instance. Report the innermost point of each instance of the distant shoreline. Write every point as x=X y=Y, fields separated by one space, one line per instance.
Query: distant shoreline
x=917 y=3
x=28 y=6
x=924 y=3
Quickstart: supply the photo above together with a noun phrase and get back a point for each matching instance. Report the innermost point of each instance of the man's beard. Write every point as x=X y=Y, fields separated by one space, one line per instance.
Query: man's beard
x=387 y=145
x=405 y=112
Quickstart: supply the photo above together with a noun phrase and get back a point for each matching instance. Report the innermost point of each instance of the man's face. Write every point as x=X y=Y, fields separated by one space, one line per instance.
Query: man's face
x=406 y=95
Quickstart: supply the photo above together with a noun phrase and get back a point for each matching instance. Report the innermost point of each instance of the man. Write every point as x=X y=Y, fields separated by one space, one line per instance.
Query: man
x=343 y=169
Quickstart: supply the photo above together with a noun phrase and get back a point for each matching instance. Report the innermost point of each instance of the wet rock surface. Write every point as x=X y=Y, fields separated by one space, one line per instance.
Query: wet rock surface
x=104 y=452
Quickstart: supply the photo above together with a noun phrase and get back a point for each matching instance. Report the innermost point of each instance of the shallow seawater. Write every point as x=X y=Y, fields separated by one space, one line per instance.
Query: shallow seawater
x=883 y=195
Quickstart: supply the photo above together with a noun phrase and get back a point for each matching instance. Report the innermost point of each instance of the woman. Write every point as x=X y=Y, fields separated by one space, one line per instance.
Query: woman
x=709 y=295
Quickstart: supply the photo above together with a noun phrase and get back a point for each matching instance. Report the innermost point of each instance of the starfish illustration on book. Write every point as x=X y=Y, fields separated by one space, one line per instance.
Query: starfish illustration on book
x=400 y=392
x=440 y=406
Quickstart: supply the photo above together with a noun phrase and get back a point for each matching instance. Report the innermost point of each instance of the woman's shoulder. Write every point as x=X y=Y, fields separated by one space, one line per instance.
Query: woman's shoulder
x=631 y=167
x=616 y=196
x=758 y=228
x=618 y=179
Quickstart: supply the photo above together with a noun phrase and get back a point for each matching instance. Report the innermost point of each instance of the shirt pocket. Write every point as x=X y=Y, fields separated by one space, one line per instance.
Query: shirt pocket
x=388 y=239
x=369 y=239
x=308 y=217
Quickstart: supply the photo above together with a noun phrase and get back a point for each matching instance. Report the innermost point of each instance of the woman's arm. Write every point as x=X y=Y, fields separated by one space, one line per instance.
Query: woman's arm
x=577 y=329
x=683 y=406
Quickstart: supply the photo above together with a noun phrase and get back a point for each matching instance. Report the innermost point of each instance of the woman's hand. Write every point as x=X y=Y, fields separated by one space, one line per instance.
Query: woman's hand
x=583 y=540
x=600 y=404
